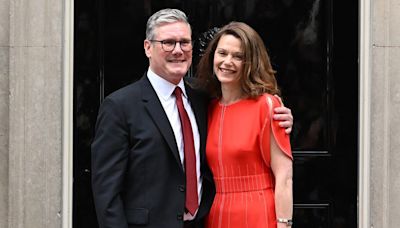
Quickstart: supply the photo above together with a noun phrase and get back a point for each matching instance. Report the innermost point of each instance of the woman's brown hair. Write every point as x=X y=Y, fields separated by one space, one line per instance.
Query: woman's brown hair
x=257 y=76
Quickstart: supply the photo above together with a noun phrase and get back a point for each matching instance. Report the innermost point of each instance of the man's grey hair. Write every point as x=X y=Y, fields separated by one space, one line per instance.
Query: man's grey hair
x=164 y=16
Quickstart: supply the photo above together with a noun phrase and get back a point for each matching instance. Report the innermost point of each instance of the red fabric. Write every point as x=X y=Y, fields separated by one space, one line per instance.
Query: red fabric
x=238 y=153
x=191 y=201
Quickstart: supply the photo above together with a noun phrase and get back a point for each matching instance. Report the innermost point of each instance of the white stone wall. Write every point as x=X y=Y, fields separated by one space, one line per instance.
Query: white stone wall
x=35 y=113
x=385 y=113
x=4 y=108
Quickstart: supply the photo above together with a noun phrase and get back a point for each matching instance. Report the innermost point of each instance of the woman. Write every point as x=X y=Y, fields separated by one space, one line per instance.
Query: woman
x=249 y=154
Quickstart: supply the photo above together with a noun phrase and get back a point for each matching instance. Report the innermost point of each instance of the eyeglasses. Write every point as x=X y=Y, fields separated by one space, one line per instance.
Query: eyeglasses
x=169 y=45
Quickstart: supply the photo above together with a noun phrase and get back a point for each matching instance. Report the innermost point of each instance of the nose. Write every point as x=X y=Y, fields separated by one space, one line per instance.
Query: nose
x=176 y=48
x=228 y=59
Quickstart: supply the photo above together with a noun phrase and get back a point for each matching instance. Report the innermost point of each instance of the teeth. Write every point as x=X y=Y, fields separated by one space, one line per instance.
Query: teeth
x=226 y=70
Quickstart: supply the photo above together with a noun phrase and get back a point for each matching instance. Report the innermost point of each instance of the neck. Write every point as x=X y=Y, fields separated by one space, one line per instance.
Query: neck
x=231 y=94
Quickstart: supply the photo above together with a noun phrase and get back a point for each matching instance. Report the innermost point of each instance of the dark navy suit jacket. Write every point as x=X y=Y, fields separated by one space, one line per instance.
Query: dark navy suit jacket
x=137 y=176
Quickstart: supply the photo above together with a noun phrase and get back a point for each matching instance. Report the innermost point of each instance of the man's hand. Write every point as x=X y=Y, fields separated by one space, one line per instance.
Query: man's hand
x=284 y=116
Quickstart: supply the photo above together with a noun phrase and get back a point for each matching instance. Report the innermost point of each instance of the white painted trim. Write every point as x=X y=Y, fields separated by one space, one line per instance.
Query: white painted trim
x=67 y=114
x=364 y=114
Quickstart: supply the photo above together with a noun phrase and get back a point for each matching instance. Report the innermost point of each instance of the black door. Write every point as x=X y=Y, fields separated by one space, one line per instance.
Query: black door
x=313 y=45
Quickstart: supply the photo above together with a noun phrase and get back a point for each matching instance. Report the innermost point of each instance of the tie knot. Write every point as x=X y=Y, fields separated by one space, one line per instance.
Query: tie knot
x=178 y=91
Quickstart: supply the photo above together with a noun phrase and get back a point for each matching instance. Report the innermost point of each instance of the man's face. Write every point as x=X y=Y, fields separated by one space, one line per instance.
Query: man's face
x=171 y=65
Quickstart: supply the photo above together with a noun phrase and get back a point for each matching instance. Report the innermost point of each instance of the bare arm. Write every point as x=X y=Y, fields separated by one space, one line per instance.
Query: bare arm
x=282 y=168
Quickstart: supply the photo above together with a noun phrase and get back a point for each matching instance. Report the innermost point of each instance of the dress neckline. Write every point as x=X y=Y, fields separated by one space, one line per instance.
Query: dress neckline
x=233 y=103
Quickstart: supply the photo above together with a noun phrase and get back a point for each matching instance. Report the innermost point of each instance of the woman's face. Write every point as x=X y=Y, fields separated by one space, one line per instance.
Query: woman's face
x=228 y=60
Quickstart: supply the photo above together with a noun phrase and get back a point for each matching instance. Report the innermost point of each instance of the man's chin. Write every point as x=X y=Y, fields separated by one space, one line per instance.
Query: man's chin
x=179 y=75
x=179 y=72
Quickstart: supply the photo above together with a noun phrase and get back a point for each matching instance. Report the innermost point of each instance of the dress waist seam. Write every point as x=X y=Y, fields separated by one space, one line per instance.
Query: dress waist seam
x=243 y=183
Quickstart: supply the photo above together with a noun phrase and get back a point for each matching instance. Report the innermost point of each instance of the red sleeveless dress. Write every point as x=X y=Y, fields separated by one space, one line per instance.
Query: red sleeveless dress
x=238 y=153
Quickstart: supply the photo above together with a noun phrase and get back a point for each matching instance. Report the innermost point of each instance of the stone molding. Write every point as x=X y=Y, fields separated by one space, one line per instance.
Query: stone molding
x=385 y=115
x=364 y=115
x=35 y=118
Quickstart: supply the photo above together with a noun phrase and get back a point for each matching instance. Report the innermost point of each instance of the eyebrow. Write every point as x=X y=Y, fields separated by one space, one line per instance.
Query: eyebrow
x=236 y=52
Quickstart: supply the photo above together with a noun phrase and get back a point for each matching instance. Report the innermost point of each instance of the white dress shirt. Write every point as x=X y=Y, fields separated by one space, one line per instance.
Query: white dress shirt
x=165 y=92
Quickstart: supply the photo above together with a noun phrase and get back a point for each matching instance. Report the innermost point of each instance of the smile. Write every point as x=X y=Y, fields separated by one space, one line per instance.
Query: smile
x=226 y=70
x=176 y=61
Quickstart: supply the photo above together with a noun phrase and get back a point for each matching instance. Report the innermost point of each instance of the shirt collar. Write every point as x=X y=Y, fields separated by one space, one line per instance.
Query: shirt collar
x=164 y=88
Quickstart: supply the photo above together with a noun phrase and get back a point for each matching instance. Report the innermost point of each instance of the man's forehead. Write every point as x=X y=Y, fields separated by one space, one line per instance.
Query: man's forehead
x=175 y=28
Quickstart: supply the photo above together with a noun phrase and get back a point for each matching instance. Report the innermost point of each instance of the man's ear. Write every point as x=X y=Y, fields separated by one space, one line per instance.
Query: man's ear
x=147 y=48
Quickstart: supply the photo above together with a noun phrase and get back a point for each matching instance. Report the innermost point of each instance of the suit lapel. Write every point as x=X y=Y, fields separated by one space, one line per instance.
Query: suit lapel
x=157 y=113
x=200 y=112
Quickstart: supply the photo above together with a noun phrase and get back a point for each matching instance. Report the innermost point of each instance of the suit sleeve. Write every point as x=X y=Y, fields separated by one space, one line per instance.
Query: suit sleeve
x=109 y=164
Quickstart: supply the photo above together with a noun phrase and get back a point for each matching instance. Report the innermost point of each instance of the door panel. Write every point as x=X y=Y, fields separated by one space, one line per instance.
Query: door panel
x=313 y=48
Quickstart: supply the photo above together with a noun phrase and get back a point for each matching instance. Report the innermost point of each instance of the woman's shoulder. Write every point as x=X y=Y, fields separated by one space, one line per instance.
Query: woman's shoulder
x=267 y=98
x=214 y=101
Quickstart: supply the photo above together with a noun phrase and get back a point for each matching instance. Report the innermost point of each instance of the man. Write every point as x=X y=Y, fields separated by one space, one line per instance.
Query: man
x=139 y=154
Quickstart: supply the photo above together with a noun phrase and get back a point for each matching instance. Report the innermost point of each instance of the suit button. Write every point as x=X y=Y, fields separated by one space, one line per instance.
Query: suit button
x=179 y=217
x=181 y=188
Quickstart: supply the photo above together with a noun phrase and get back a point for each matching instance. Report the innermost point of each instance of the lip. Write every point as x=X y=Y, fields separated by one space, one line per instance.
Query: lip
x=176 y=60
x=224 y=70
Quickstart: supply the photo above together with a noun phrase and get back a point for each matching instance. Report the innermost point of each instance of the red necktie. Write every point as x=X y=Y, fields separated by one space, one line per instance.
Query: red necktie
x=192 y=202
